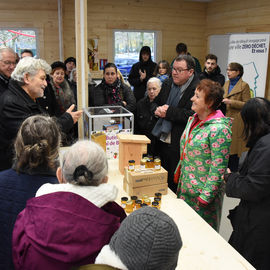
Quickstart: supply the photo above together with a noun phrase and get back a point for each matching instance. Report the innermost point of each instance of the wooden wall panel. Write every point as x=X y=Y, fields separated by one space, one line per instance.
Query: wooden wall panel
x=40 y=14
x=178 y=21
x=242 y=16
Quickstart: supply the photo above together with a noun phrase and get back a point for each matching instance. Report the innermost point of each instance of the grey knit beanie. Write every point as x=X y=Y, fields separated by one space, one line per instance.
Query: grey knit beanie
x=147 y=239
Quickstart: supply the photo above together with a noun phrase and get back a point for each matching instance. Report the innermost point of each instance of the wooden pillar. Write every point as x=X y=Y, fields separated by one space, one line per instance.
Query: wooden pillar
x=81 y=57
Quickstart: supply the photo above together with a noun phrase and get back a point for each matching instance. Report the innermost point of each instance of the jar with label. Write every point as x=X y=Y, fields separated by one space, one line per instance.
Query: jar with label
x=143 y=163
x=147 y=201
x=137 y=204
x=131 y=165
x=157 y=163
x=158 y=200
x=144 y=197
x=155 y=204
x=133 y=198
x=129 y=206
x=124 y=202
x=158 y=195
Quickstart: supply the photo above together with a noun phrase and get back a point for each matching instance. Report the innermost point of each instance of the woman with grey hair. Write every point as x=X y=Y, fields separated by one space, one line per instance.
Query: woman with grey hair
x=145 y=117
x=67 y=224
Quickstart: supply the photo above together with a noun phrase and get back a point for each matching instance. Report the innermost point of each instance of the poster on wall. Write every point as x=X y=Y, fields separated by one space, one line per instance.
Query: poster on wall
x=251 y=51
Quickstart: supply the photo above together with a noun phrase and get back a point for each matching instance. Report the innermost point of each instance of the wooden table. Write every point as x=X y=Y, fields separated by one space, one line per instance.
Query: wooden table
x=203 y=248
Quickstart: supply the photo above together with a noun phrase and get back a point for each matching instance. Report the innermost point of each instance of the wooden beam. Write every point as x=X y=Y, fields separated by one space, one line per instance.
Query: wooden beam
x=81 y=57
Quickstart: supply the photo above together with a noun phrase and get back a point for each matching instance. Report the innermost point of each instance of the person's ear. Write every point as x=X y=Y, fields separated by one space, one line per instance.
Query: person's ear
x=59 y=175
x=26 y=78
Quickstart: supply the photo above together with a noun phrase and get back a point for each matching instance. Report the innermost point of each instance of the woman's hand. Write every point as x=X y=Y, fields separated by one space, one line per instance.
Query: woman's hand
x=227 y=101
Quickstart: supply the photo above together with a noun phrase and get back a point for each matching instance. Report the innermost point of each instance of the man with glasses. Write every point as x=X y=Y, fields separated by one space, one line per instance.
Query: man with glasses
x=173 y=112
x=7 y=65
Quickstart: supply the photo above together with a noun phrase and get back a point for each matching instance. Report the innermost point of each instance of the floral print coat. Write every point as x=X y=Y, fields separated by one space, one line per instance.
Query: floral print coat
x=204 y=159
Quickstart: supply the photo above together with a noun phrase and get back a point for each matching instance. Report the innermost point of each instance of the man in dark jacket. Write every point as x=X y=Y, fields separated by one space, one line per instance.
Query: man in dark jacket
x=27 y=83
x=141 y=72
x=7 y=65
x=174 y=111
x=212 y=70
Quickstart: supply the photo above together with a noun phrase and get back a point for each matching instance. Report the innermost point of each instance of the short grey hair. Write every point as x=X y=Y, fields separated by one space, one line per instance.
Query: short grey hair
x=71 y=76
x=31 y=66
x=84 y=163
x=155 y=80
x=6 y=49
x=188 y=59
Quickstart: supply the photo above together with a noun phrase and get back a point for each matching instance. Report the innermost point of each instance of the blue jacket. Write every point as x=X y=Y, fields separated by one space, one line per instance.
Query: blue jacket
x=15 y=190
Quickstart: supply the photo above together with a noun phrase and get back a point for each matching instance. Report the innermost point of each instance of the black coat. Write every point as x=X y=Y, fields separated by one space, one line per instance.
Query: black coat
x=3 y=84
x=213 y=76
x=100 y=97
x=251 y=218
x=145 y=121
x=15 y=106
x=134 y=77
x=177 y=115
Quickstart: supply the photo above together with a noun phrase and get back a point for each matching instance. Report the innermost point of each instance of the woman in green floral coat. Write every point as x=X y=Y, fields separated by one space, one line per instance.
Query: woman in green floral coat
x=205 y=146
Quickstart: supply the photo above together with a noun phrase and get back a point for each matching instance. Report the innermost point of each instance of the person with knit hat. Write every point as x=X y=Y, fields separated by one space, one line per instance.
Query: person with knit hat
x=148 y=239
x=70 y=63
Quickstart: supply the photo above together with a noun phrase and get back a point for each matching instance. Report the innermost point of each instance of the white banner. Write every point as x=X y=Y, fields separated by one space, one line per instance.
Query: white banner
x=251 y=51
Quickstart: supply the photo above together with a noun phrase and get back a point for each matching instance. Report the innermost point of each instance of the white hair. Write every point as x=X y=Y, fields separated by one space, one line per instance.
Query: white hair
x=6 y=49
x=31 y=66
x=156 y=81
x=71 y=76
x=87 y=154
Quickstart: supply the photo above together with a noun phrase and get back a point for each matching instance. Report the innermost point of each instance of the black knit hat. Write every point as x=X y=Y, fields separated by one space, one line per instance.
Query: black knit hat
x=70 y=59
x=58 y=64
x=147 y=239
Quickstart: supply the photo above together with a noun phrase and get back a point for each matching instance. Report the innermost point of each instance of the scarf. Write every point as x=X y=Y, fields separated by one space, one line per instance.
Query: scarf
x=233 y=82
x=113 y=91
x=163 y=127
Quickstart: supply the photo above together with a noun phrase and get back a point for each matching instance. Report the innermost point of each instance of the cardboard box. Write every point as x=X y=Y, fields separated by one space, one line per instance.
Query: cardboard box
x=140 y=178
x=149 y=190
x=100 y=138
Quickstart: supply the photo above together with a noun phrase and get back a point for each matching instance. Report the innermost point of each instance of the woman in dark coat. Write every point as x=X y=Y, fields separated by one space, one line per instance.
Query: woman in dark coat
x=111 y=91
x=141 y=72
x=251 y=218
x=36 y=146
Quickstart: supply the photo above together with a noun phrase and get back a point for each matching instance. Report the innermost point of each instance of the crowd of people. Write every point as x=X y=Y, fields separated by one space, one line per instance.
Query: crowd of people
x=210 y=135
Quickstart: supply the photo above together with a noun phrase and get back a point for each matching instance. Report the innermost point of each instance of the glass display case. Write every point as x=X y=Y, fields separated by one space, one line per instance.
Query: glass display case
x=102 y=124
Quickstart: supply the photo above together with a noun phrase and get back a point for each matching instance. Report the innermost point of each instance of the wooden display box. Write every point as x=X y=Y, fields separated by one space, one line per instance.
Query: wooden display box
x=131 y=147
x=145 y=190
x=145 y=183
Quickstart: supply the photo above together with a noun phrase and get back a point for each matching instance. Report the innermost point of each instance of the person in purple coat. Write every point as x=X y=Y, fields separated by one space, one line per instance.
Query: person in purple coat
x=67 y=224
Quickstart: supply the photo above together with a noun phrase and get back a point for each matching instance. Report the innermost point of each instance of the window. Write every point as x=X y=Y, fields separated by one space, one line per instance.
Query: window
x=19 y=39
x=127 y=46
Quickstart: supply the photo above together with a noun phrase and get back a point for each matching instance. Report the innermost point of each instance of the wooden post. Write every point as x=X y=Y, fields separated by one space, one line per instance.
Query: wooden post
x=81 y=57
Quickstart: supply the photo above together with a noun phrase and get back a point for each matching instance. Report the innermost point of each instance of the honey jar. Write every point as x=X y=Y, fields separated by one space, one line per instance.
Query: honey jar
x=155 y=204
x=158 y=200
x=137 y=204
x=143 y=163
x=147 y=201
x=158 y=195
x=131 y=165
x=133 y=198
x=144 y=197
x=129 y=206
x=157 y=163
x=124 y=202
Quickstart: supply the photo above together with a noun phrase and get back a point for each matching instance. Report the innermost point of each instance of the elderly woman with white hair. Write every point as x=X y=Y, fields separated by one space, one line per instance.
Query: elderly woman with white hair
x=27 y=83
x=145 y=116
x=67 y=224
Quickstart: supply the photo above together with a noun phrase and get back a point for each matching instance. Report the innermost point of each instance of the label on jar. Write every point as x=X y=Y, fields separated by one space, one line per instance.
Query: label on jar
x=131 y=167
x=157 y=167
x=123 y=205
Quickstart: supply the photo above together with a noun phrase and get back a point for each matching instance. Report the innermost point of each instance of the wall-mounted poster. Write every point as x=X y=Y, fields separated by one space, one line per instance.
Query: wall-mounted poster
x=93 y=54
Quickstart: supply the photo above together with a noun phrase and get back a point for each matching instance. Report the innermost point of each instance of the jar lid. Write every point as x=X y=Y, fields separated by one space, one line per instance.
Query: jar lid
x=131 y=161
x=138 y=201
x=157 y=199
x=124 y=199
x=158 y=194
x=134 y=198
x=143 y=204
x=155 y=203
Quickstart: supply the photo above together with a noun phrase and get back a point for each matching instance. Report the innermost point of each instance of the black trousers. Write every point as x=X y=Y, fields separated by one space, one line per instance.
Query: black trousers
x=170 y=156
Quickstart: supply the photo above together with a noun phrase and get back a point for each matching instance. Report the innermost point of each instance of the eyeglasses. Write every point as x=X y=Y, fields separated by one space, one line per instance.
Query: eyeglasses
x=9 y=63
x=228 y=69
x=179 y=70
